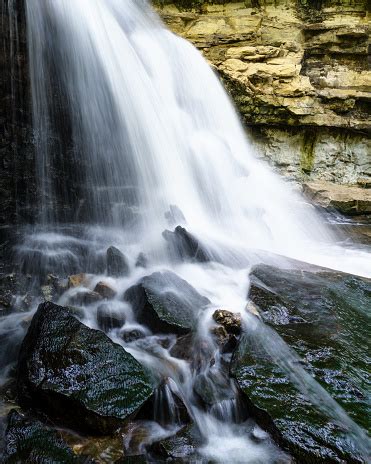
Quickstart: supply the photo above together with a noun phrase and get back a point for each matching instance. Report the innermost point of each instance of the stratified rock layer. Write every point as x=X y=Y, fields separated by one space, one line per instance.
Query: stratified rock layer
x=322 y=316
x=348 y=200
x=299 y=74
x=78 y=375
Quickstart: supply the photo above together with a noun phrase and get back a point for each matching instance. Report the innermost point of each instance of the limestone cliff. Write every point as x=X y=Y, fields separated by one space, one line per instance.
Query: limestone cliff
x=299 y=73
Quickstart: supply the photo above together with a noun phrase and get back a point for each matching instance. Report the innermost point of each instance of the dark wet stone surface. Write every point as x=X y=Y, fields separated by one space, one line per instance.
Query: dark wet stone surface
x=108 y=318
x=186 y=246
x=77 y=375
x=117 y=263
x=15 y=294
x=324 y=317
x=166 y=303
x=180 y=448
x=29 y=441
x=132 y=335
x=142 y=261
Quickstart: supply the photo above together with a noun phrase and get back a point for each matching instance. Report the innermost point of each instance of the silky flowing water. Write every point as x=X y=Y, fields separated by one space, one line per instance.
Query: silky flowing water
x=151 y=126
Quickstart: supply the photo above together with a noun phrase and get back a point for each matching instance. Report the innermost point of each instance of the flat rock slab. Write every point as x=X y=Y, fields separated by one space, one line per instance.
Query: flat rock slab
x=77 y=375
x=323 y=316
x=30 y=441
x=166 y=303
x=346 y=199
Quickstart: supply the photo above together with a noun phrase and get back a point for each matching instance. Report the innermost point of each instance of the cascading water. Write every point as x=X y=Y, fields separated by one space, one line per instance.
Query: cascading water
x=137 y=120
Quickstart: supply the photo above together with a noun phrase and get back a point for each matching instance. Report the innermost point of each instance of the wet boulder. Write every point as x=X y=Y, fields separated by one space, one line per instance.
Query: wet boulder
x=117 y=263
x=28 y=440
x=166 y=303
x=322 y=316
x=105 y=291
x=78 y=376
x=109 y=318
x=142 y=261
x=184 y=245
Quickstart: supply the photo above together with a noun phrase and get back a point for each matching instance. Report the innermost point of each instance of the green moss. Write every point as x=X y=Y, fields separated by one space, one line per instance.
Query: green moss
x=307 y=155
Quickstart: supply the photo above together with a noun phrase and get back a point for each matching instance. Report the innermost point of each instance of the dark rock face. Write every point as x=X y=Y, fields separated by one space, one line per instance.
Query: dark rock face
x=12 y=285
x=117 y=264
x=30 y=441
x=184 y=245
x=17 y=171
x=78 y=375
x=166 y=303
x=322 y=316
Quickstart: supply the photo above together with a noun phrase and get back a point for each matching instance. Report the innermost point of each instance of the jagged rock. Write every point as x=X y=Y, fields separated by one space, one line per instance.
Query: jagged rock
x=230 y=321
x=347 y=200
x=108 y=318
x=117 y=263
x=28 y=440
x=77 y=375
x=166 y=303
x=185 y=245
x=105 y=291
x=322 y=316
x=142 y=261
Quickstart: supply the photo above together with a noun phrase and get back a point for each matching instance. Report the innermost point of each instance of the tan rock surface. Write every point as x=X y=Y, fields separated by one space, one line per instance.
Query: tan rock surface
x=346 y=199
x=290 y=66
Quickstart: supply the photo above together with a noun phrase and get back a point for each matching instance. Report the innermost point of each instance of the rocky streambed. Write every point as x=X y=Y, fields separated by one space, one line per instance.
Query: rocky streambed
x=128 y=365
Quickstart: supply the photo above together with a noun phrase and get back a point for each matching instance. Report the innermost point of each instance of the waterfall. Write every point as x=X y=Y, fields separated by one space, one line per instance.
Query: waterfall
x=134 y=135
x=133 y=120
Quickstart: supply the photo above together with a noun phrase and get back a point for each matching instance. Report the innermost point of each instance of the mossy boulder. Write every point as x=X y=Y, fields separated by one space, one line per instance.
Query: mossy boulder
x=322 y=316
x=77 y=375
x=30 y=441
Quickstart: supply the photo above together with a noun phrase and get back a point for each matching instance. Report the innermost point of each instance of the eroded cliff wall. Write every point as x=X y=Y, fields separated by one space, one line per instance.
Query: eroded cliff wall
x=299 y=73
